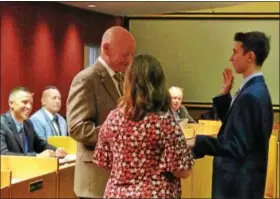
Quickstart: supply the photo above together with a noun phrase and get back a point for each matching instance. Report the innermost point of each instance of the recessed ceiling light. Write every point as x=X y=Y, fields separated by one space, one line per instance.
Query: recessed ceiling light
x=91 y=6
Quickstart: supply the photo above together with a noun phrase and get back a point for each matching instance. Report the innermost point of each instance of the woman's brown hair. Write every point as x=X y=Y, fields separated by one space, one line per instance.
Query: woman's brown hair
x=144 y=88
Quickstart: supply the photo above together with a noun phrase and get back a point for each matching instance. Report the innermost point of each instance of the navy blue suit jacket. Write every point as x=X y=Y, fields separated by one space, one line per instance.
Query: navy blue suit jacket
x=241 y=148
x=10 y=141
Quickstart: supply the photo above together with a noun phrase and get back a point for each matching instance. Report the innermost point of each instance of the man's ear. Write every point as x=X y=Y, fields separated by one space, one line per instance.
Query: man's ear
x=106 y=48
x=42 y=101
x=11 y=103
x=251 y=56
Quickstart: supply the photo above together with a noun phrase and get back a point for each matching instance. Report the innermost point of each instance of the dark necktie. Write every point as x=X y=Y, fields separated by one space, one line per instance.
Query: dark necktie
x=23 y=139
x=55 y=120
x=235 y=96
x=237 y=93
x=119 y=78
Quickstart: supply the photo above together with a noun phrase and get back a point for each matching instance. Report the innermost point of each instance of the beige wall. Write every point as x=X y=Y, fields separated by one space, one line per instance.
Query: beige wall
x=195 y=52
x=252 y=7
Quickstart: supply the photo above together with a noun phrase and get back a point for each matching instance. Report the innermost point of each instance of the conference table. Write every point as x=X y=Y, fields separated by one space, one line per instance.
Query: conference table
x=35 y=177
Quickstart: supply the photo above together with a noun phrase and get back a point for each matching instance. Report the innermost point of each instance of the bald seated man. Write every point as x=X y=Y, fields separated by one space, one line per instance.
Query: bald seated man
x=47 y=121
x=17 y=134
x=177 y=109
x=94 y=92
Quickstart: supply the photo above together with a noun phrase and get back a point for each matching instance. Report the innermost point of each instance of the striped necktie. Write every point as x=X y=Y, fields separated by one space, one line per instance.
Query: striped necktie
x=57 y=130
x=235 y=96
x=119 y=78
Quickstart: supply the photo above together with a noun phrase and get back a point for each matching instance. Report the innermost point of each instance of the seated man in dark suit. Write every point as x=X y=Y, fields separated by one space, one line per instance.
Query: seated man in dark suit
x=17 y=134
x=177 y=109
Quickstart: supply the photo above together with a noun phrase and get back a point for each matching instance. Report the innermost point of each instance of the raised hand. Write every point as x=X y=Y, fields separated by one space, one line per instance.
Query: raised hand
x=228 y=80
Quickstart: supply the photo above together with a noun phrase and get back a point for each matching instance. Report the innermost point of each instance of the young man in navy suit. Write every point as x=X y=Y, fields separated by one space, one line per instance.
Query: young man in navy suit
x=241 y=148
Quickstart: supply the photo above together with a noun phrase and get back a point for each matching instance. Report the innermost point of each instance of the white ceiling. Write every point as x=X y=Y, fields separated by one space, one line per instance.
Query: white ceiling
x=138 y=8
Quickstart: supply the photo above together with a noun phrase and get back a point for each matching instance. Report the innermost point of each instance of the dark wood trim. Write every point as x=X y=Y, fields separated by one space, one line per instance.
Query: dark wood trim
x=203 y=18
x=208 y=105
x=197 y=105
x=125 y=22
x=222 y=13
x=211 y=16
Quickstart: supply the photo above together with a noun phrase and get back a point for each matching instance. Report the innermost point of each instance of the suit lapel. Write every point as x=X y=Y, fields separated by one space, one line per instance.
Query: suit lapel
x=13 y=128
x=250 y=82
x=107 y=81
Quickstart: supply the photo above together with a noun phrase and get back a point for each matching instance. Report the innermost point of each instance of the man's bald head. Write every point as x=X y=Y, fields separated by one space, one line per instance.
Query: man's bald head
x=117 y=48
x=115 y=34
x=51 y=99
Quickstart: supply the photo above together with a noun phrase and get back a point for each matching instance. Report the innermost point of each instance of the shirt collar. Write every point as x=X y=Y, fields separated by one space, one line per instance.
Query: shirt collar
x=175 y=114
x=108 y=68
x=19 y=125
x=177 y=111
x=247 y=79
x=49 y=114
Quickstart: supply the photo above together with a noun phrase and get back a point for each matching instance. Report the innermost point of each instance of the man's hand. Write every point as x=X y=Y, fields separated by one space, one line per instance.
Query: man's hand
x=228 y=80
x=46 y=153
x=60 y=153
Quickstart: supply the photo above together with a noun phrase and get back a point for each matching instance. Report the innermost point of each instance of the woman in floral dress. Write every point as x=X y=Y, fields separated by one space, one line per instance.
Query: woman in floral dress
x=140 y=142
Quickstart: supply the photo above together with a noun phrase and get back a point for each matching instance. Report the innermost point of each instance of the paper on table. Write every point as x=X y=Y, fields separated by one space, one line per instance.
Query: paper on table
x=15 y=180
x=189 y=133
x=68 y=158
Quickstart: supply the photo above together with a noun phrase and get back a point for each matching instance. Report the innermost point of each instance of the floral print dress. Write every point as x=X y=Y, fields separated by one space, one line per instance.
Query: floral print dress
x=141 y=155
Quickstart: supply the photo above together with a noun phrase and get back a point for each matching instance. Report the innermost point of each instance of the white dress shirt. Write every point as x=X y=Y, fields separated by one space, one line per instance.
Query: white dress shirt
x=111 y=73
x=51 y=116
x=247 y=79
